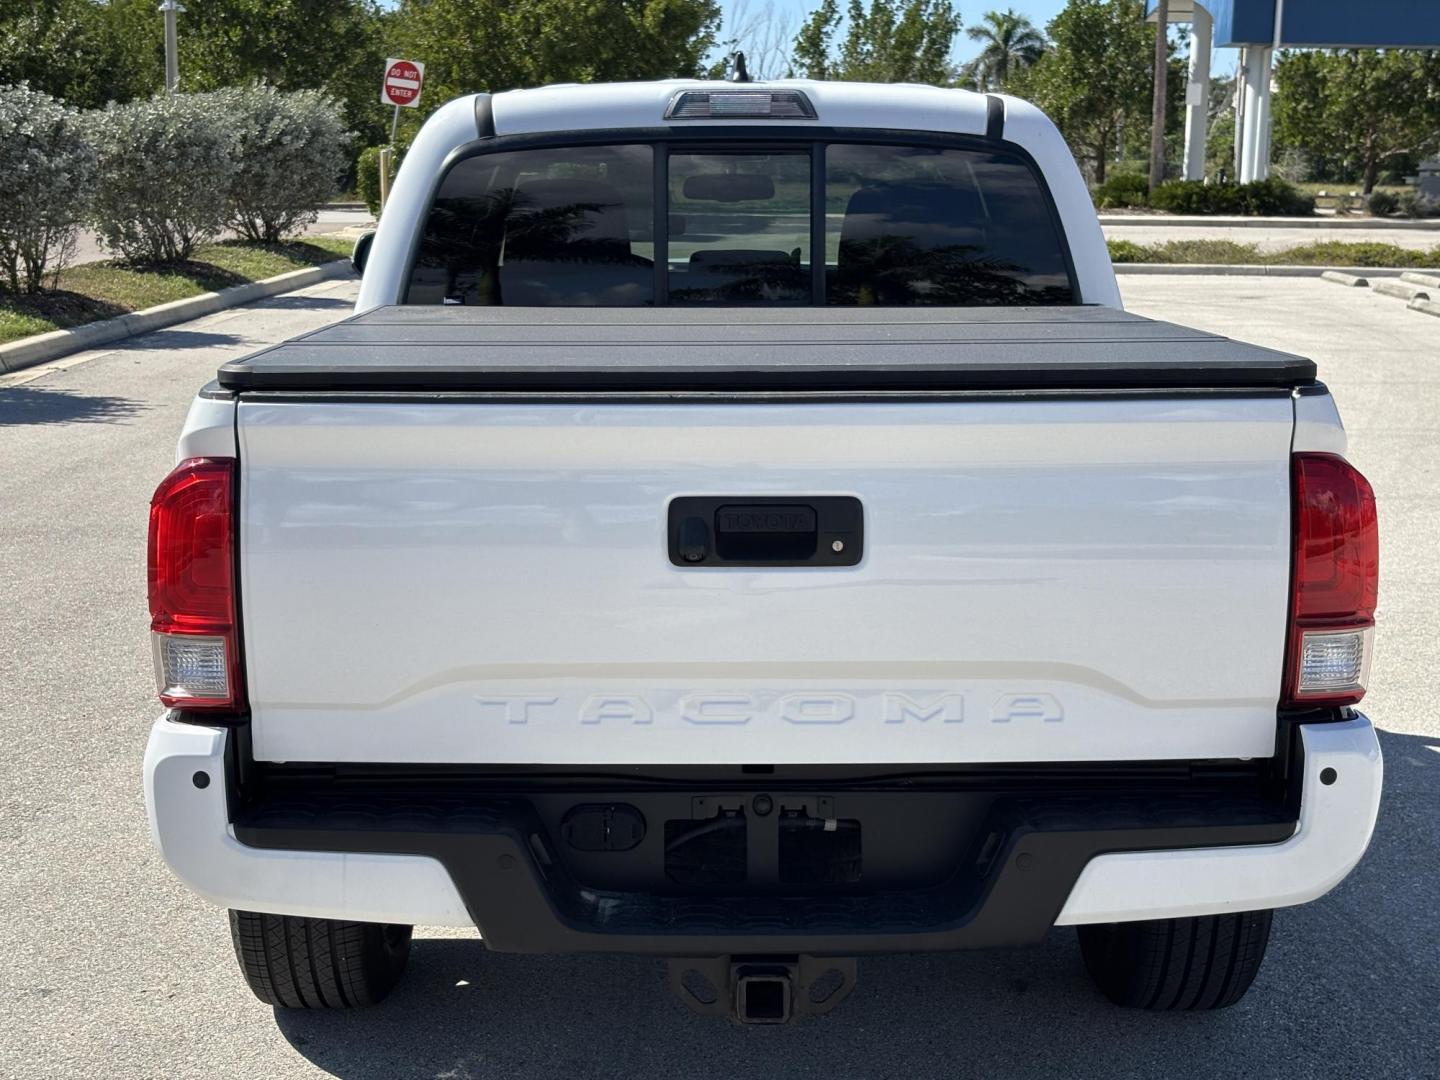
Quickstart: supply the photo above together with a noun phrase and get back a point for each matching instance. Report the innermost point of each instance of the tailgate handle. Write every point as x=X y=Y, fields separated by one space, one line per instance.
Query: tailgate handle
x=708 y=531
x=747 y=532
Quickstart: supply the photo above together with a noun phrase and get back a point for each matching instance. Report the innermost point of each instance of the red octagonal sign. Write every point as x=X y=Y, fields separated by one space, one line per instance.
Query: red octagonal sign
x=403 y=79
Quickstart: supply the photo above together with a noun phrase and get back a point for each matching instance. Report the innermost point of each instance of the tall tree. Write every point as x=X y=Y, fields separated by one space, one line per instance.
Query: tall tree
x=1161 y=76
x=85 y=52
x=763 y=34
x=1010 y=42
x=811 y=51
x=471 y=45
x=1096 y=81
x=330 y=45
x=884 y=41
x=1363 y=106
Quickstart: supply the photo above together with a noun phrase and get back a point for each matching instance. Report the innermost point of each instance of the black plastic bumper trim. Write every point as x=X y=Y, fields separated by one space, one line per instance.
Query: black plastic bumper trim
x=523 y=899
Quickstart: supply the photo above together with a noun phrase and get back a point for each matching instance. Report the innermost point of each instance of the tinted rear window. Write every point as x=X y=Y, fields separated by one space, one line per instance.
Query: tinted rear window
x=919 y=225
x=568 y=227
x=897 y=225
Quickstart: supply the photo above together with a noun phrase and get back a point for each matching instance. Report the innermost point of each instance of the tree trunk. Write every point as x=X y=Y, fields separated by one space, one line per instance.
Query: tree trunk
x=1372 y=173
x=1100 y=152
x=1157 y=110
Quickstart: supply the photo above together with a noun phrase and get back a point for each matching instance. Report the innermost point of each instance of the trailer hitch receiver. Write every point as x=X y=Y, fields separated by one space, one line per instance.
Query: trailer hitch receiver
x=762 y=989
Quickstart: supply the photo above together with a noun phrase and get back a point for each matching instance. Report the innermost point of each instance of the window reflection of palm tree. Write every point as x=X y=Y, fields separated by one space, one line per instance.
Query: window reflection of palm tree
x=752 y=282
x=892 y=269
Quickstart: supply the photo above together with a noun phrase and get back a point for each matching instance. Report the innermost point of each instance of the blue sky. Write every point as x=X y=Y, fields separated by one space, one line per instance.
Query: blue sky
x=972 y=12
x=1039 y=12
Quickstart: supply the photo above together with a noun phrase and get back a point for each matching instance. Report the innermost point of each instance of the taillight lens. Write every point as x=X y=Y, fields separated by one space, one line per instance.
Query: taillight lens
x=1334 y=582
x=192 y=586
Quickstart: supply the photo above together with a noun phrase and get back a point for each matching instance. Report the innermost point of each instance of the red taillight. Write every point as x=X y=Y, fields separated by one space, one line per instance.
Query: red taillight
x=192 y=586
x=1333 y=584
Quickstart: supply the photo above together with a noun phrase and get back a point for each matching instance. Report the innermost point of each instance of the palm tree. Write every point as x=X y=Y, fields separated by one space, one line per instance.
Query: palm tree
x=1011 y=43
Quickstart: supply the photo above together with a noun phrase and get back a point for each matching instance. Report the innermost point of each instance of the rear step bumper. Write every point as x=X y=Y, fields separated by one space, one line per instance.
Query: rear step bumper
x=428 y=858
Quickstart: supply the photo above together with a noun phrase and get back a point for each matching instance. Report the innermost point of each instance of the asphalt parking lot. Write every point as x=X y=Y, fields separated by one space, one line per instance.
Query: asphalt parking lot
x=108 y=967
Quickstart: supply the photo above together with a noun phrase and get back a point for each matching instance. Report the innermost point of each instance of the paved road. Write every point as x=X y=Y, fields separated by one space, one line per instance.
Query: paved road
x=111 y=969
x=88 y=247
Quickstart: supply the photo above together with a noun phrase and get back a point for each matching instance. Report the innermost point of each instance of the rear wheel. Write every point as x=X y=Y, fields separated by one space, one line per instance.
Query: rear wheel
x=1207 y=962
x=299 y=963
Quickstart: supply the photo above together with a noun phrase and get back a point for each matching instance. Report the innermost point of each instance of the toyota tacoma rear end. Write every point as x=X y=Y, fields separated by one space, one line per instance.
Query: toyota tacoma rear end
x=740 y=525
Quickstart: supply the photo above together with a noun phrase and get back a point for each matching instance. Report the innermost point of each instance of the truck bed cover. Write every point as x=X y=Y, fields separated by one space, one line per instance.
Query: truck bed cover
x=686 y=349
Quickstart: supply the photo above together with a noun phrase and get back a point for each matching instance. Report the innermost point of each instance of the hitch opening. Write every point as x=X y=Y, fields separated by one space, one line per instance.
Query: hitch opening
x=763 y=998
x=762 y=989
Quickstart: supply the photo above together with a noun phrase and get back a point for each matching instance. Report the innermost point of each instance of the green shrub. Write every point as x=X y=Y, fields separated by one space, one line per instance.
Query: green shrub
x=1125 y=189
x=1206 y=251
x=1413 y=205
x=1324 y=253
x=1346 y=204
x=367 y=174
x=290 y=151
x=1195 y=197
x=1274 y=197
x=1382 y=203
x=47 y=171
x=1262 y=197
x=167 y=167
x=1344 y=253
x=1127 y=251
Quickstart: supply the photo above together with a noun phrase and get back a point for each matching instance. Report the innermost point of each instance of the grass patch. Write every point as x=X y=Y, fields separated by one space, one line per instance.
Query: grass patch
x=1229 y=253
x=103 y=290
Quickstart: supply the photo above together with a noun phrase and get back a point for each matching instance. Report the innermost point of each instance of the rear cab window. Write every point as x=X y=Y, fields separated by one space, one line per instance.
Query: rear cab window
x=775 y=222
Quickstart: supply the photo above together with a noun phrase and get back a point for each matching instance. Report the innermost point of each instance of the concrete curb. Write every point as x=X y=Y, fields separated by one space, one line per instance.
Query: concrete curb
x=1353 y=281
x=1249 y=270
x=1402 y=290
x=1425 y=307
x=1419 y=277
x=40 y=348
x=1155 y=221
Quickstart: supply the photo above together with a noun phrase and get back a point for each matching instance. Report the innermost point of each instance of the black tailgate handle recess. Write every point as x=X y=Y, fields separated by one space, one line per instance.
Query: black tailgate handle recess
x=817 y=530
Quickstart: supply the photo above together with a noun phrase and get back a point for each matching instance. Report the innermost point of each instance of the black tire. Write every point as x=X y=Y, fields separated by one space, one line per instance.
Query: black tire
x=298 y=963
x=1206 y=962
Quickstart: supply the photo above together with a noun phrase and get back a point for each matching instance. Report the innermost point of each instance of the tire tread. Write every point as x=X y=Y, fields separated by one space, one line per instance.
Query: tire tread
x=294 y=962
x=1205 y=962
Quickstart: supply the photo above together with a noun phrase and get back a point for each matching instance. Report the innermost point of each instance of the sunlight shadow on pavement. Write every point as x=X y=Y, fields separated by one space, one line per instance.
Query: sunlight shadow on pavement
x=42 y=405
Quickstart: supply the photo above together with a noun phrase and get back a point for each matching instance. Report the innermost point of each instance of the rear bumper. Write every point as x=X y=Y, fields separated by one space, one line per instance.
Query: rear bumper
x=429 y=858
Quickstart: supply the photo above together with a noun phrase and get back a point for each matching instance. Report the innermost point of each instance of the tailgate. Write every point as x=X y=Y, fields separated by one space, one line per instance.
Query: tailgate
x=433 y=579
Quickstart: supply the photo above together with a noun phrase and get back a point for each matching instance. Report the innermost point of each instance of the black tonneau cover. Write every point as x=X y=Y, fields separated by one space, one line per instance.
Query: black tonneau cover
x=540 y=350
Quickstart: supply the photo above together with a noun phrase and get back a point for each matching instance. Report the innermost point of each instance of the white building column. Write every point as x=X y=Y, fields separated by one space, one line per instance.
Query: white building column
x=1197 y=95
x=1263 y=125
x=1255 y=115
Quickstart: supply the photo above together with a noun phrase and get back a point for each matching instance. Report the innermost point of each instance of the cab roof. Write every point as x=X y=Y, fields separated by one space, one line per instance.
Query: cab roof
x=598 y=106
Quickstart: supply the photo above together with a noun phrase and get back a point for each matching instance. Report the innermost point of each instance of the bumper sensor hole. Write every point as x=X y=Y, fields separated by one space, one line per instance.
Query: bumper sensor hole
x=1328 y=776
x=201 y=779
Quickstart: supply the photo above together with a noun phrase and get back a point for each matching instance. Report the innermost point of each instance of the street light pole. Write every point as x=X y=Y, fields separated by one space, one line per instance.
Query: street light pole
x=171 y=8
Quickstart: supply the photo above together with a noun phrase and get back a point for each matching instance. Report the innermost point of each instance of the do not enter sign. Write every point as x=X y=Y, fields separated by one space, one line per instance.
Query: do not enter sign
x=401 y=87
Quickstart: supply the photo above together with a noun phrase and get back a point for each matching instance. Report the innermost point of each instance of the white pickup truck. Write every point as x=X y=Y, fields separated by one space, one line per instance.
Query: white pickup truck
x=740 y=525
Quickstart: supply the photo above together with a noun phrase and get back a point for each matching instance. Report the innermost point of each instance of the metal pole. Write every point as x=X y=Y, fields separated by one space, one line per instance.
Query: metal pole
x=1197 y=94
x=386 y=156
x=171 y=8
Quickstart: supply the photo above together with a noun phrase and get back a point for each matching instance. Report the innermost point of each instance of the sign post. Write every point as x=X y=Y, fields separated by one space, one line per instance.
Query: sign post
x=400 y=88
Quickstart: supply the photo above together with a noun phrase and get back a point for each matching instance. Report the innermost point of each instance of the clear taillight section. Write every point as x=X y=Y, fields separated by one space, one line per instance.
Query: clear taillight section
x=1334 y=583
x=192 y=586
